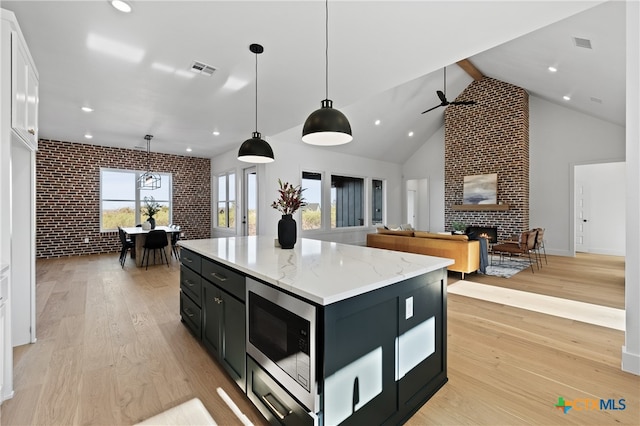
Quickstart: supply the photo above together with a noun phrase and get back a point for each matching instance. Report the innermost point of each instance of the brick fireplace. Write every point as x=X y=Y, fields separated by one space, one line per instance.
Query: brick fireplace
x=489 y=137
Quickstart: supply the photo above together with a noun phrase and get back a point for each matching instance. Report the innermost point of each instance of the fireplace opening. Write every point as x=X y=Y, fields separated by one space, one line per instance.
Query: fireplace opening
x=474 y=232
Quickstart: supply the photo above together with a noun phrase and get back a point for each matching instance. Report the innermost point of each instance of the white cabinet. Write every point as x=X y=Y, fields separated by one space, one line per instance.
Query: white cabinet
x=24 y=91
x=4 y=346
x=18 y=145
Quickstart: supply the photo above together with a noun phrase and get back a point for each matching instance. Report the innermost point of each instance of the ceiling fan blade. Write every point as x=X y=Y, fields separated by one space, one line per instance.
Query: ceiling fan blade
x=462 y=103
x=431 y=109
x=442 y=97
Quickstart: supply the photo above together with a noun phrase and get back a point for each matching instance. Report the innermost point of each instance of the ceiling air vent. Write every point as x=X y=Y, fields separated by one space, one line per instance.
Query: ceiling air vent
x=582 y=42
x=202 y=68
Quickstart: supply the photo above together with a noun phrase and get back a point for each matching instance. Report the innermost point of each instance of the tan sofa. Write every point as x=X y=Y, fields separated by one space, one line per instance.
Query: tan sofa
x=465 y=253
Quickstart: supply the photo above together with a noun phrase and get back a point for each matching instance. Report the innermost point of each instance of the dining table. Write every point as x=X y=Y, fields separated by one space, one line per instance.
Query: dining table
x=139 y=236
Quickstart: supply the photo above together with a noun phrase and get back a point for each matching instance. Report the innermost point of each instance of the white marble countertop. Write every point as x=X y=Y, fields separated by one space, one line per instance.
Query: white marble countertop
x=320 y=271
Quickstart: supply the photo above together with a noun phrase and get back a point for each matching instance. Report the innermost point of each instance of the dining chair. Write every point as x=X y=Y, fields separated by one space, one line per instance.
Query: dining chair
x=540 y=245
x=126 y=245
x=156 y=240
x=525 y=246
x=175 y=236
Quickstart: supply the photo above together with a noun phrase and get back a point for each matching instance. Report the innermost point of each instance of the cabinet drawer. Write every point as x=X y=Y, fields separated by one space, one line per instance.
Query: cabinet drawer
x=275 y=403
x=191 y=284
x=225 y=278
x=191 y=259
x=191 y=315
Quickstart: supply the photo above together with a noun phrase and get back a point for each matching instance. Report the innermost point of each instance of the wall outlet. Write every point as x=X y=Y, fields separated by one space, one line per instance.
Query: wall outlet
x=86 y=240
x=182 y=235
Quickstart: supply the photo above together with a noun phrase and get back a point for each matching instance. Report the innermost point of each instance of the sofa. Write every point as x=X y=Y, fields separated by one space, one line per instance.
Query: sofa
x=464 y=252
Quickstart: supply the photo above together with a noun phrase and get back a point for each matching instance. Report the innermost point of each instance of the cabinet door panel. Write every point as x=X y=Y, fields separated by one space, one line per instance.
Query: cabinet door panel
x=233 y=354
x=421 y=340
x=18 y=85
x=212 y=307
x=359 y=386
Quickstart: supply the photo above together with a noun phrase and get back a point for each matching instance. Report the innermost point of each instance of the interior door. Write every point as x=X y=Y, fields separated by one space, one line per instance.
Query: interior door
x=411 y=207
x=250 y=202
x=582 y=216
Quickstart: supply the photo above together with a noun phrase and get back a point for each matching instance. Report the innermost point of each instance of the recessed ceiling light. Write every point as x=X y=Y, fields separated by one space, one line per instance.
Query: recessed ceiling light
x=566 y=98
x=189 y=150
x=377 y=122
x=88 y=136
x=216 y=133
x=121 y=5
x=410 y=134
x=87 y=109
x=552 y=69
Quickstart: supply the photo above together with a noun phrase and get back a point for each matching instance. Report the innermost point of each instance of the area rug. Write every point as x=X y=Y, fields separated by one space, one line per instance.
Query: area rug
x=507 y=267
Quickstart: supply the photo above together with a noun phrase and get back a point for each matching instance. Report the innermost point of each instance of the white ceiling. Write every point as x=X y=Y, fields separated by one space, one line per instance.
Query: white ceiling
x=385 y=62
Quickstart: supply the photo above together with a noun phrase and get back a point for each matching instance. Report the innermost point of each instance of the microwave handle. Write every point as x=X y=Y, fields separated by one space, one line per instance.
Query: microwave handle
x=272 y=405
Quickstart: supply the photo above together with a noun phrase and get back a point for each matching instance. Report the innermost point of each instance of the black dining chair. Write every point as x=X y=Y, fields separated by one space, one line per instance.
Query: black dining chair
x=126 y=245
x=156 y=240
x=175 y=236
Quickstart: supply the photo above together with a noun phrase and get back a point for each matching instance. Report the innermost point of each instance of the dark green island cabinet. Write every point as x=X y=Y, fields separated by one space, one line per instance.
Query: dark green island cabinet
x=212 y=306
x=379 y=325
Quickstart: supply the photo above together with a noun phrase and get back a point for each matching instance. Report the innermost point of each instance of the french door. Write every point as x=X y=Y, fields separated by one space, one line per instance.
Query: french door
x=250 y=202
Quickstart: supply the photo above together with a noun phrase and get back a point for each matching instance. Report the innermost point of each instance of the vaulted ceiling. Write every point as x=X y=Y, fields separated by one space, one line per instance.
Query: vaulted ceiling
x=385 y=63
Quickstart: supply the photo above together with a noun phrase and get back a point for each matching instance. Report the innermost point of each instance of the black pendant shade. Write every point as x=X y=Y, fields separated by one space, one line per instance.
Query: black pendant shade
x=256 y=149
x=326 y=126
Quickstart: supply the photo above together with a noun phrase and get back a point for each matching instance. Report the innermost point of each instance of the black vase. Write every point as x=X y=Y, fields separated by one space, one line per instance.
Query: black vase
x=152 y=222
x=287 y=231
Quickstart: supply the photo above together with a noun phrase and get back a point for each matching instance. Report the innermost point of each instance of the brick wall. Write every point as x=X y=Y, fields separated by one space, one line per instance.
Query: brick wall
x=68 y=195
x=489 y=137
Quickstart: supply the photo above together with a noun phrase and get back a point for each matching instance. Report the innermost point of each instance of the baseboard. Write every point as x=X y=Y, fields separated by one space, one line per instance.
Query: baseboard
x=630 y=362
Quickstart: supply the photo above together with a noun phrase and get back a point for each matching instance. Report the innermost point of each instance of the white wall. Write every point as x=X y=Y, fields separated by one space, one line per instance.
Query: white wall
x=631 y=348
x=560 y=138
x=607 y=193
x=428 y=162
x=291 y=158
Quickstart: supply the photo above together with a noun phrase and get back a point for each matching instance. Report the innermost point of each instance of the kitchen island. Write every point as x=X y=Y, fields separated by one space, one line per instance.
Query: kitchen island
x=374 y=347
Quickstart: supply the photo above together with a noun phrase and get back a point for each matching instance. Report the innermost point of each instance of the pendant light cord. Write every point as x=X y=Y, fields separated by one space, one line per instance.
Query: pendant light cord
x=326 y=47
x=256 y=92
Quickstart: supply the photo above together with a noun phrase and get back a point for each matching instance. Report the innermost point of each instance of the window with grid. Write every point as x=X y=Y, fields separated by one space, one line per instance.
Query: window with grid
x=121 y=201
x=226 y=200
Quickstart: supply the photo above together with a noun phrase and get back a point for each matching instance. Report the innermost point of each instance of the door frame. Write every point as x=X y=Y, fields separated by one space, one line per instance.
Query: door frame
x=245 y=199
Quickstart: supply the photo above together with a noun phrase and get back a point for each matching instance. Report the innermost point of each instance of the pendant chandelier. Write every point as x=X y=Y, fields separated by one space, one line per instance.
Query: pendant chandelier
x=149 y=180
x=326 y=126
x=256 y=149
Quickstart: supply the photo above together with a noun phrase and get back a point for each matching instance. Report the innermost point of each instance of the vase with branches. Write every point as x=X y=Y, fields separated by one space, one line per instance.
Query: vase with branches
x=150 y=209
x=290 y=199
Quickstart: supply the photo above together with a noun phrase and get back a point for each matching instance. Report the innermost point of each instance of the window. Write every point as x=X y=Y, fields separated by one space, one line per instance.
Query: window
x=119 y=196
x=312 y=212
x=227 y=200
x=347 y=201
x=376 y=202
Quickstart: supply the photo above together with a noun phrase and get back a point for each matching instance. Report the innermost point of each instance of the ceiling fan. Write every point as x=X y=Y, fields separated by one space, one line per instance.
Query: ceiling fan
x=443 y=97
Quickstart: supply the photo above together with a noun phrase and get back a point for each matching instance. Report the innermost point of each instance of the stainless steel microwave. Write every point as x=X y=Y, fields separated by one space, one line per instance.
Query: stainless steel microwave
x=281 y=337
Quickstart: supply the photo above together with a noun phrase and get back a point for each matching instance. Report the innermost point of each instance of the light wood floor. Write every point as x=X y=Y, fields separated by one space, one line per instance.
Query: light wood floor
x=111 y=350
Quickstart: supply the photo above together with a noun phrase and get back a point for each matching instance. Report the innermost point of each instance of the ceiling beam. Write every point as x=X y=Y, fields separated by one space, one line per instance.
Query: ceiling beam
x=474 y=72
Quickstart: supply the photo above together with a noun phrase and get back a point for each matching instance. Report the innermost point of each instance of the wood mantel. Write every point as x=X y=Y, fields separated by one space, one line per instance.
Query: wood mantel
x=480 y=207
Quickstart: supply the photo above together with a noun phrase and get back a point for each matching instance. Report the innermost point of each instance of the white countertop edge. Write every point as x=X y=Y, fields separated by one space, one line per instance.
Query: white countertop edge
x=283 y=284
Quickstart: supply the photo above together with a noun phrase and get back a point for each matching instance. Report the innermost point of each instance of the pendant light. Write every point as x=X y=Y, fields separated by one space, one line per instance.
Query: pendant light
x=326 y=126
x=149 y=180
x=256 y=149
